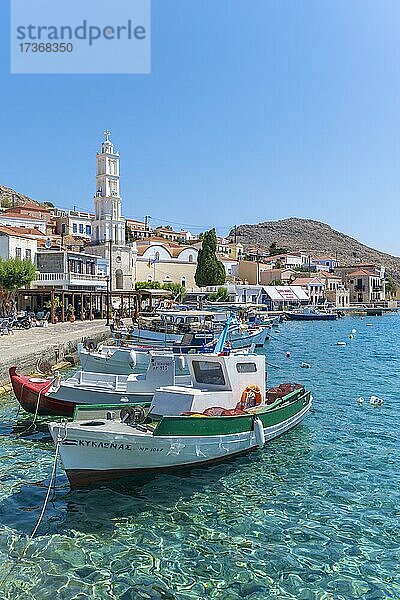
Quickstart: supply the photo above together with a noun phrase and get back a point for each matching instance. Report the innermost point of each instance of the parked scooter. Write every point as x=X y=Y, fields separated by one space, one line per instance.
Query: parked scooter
x=24 y=322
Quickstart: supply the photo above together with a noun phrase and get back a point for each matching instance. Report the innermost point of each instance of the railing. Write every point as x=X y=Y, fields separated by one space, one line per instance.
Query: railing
x=70 y=278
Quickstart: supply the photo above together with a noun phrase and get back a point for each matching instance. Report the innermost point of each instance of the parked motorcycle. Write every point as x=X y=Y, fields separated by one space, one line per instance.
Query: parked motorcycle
x=22 y=322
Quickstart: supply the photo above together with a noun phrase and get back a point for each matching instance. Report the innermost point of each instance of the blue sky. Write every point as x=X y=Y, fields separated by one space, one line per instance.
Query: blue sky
x=254 y=110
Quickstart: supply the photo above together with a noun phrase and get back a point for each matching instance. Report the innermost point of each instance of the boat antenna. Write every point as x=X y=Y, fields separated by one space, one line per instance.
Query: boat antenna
x=219 y=346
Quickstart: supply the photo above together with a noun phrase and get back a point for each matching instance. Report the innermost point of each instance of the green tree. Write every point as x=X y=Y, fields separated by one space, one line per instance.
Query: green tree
x=221 y=295
x=178 y=291
x=147 y=285
x=210 y=270
x=274 y=250
x=128 y=234
x=390 y=287
x=14 y=274
x=276 y=282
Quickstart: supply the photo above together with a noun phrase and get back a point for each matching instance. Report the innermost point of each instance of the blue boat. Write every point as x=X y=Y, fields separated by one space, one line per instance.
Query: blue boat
x=310 y=314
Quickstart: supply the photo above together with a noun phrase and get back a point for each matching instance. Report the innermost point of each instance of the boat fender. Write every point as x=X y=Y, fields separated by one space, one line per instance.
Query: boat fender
x=259 y=432
x=132 y=359
x=288 y=354
x=181 y=362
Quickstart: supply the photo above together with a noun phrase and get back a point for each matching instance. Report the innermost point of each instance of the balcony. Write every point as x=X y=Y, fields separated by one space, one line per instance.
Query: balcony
x=67 y=280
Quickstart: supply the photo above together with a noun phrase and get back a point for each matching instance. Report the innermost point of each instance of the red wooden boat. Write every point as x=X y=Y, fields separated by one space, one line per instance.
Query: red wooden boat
x=33 y=395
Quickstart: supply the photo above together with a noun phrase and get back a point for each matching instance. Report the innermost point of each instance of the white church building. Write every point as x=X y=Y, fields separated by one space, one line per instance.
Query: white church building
x=108 y=226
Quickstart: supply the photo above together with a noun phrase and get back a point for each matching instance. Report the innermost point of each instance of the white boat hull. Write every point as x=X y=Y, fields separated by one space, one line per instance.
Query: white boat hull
x=96 y=453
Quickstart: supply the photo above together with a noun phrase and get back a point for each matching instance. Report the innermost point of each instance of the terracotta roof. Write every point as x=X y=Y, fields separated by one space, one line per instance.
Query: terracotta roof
x=27 y=232
x=159 y=240
x=17 y=215
x=306 y=281
x=326 y=274
x=363 y=272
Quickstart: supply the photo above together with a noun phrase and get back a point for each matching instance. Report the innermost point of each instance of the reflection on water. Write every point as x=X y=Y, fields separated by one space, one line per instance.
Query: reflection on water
x=313 y=515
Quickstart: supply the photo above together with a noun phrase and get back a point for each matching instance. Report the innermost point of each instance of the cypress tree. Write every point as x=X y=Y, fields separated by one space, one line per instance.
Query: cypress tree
x=210 y=270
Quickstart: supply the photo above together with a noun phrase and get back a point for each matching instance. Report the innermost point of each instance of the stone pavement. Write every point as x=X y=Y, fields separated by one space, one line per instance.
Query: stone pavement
x=23 y=348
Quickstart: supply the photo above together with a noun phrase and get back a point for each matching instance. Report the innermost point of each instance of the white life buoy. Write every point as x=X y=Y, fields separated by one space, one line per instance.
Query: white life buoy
x=259 y=432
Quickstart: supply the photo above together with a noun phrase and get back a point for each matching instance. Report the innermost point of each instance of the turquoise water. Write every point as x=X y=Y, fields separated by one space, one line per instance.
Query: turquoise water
x=313 y=515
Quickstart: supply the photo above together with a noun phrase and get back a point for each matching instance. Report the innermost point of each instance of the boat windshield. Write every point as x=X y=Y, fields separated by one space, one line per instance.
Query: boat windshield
x=208 y=372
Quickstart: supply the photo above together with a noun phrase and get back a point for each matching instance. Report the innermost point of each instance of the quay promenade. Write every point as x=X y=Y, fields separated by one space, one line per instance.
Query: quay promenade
x=23 y=348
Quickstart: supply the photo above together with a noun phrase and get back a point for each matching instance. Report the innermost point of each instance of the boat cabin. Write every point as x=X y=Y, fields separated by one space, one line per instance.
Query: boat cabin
x=235 y=381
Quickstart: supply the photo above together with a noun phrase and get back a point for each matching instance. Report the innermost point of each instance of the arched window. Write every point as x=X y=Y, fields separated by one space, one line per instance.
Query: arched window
x=157 y=256
x=149 y=279
x=119 y=279
x=190 y=257
x=183 y=281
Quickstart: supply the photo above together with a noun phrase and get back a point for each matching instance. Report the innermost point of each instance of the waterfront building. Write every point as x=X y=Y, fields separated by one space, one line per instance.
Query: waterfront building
x=314 y=286
x=68 y=270
x=365 y=286
x=166 y=262
x=285 y=297
x=273 y=297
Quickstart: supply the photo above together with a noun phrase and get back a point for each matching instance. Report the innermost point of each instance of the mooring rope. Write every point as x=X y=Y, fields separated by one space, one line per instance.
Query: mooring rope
x=60 y=439
x=43 y=390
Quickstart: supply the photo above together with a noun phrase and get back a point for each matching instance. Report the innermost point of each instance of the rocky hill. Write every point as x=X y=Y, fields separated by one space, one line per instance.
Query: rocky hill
x=315 y=238
x=9 y=197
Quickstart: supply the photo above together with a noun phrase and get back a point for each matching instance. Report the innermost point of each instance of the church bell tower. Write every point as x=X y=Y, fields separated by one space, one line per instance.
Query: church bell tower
x=108 y=223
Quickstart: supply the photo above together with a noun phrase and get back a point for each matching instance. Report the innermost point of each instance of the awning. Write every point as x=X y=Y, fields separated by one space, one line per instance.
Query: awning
x=285 y=293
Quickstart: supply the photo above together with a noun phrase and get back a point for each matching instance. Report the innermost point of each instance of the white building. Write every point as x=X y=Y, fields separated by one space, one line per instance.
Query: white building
x=68 y=270
x=19 y=242
x=21 y=220
x=75 y=223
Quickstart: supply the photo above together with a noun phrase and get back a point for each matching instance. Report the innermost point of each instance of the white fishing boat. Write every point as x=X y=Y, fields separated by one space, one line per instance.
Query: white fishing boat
x=226 y=411
x=60 y=397
x=171 y=327
x=117 y=360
